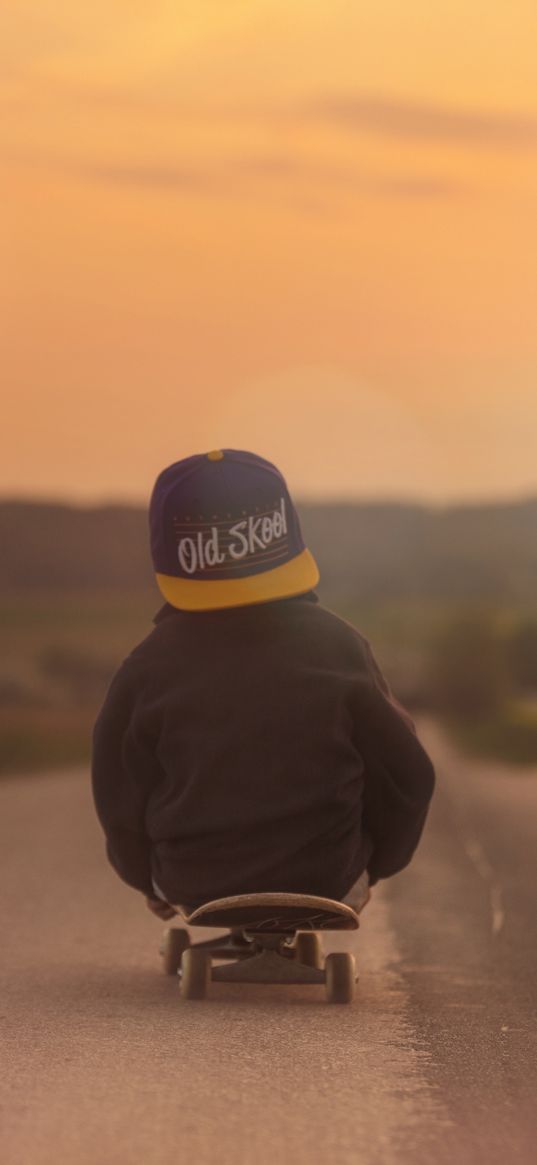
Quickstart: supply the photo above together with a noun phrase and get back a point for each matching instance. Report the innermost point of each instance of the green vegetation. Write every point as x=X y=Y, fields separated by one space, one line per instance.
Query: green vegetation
x=468 y=669
x=481 y=677
x=446 y=597
x=509 y=736
x=32 y=738
x=59 y=654
x=475 y=667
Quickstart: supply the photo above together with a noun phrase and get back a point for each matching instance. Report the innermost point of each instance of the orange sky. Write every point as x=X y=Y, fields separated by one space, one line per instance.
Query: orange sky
x=297 y=227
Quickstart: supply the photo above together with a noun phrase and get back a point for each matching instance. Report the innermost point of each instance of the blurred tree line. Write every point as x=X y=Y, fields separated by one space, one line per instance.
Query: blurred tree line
x=375 y=551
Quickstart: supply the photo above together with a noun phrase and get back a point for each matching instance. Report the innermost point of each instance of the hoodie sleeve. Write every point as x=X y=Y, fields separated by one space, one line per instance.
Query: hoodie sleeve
x=124 y=770
x=399 y=776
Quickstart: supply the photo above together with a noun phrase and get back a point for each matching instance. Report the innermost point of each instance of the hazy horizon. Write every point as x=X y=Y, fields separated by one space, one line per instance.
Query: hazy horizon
x=98 y=501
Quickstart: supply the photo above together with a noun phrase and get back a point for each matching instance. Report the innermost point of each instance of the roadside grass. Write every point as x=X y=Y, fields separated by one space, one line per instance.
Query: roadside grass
x=60 y=650
x=35 y=739
x=58 y=653
x=509 y=736
x=105 y=624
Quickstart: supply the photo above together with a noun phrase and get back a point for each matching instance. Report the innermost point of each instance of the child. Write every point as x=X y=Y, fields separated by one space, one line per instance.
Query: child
x=250 y=742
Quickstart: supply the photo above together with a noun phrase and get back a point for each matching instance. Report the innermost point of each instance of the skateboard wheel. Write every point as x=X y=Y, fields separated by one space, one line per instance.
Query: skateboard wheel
x=308 y=949
x=340 y=977
x=174 y=942
x=195 y=973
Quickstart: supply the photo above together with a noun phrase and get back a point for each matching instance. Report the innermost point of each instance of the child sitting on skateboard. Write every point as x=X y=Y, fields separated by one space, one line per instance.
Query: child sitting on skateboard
x=250 y=742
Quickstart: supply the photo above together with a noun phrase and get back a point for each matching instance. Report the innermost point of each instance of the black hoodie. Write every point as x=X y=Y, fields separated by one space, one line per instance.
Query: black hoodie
x=256 y=748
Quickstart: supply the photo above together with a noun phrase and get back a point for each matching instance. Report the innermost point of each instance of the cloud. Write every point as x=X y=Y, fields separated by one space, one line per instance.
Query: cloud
x=399 y=118
x=381 y=114
x=159 y=177
x=239 y=174
x=377 y=114
x=310 y=183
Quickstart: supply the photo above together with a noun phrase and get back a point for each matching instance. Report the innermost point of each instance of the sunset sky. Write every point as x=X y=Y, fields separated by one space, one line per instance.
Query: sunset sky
x=306 y=228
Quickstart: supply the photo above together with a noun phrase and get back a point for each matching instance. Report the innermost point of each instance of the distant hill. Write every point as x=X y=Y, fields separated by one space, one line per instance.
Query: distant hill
x=366 y=551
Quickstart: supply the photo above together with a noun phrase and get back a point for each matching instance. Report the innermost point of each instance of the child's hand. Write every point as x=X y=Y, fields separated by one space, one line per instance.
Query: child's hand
x=160 y=908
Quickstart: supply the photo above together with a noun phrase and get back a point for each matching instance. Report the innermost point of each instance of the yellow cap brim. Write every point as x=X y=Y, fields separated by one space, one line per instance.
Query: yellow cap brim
x=295 y=577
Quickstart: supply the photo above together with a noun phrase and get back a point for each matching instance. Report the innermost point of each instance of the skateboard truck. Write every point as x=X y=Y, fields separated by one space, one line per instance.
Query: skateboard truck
x=272 y=939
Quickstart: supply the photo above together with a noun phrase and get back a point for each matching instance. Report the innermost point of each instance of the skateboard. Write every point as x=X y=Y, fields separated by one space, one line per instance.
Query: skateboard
x=273 y=938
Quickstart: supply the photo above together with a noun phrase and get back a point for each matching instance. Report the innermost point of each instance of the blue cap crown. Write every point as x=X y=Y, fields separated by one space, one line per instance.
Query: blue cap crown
x=224 y=517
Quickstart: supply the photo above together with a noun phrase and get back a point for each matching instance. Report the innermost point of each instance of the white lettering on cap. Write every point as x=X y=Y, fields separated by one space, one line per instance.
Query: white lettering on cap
x=213 y=554
x=249 y=536
x=187 y=554
x=238 y=550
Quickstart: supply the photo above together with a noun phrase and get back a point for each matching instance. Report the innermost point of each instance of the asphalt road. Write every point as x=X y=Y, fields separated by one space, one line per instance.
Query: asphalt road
x=436 y=1059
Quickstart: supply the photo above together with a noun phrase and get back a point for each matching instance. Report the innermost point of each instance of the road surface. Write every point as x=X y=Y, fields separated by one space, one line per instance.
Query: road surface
x=435 y=1061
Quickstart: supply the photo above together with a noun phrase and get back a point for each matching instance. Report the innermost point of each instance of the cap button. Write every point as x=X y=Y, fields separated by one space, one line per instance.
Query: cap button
x=215 y=455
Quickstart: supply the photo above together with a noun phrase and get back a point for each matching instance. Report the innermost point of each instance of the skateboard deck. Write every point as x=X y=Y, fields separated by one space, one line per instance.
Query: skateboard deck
x=276 y=913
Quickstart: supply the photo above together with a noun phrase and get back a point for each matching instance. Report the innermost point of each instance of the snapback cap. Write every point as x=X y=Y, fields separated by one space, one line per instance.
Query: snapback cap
x=225 y=533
